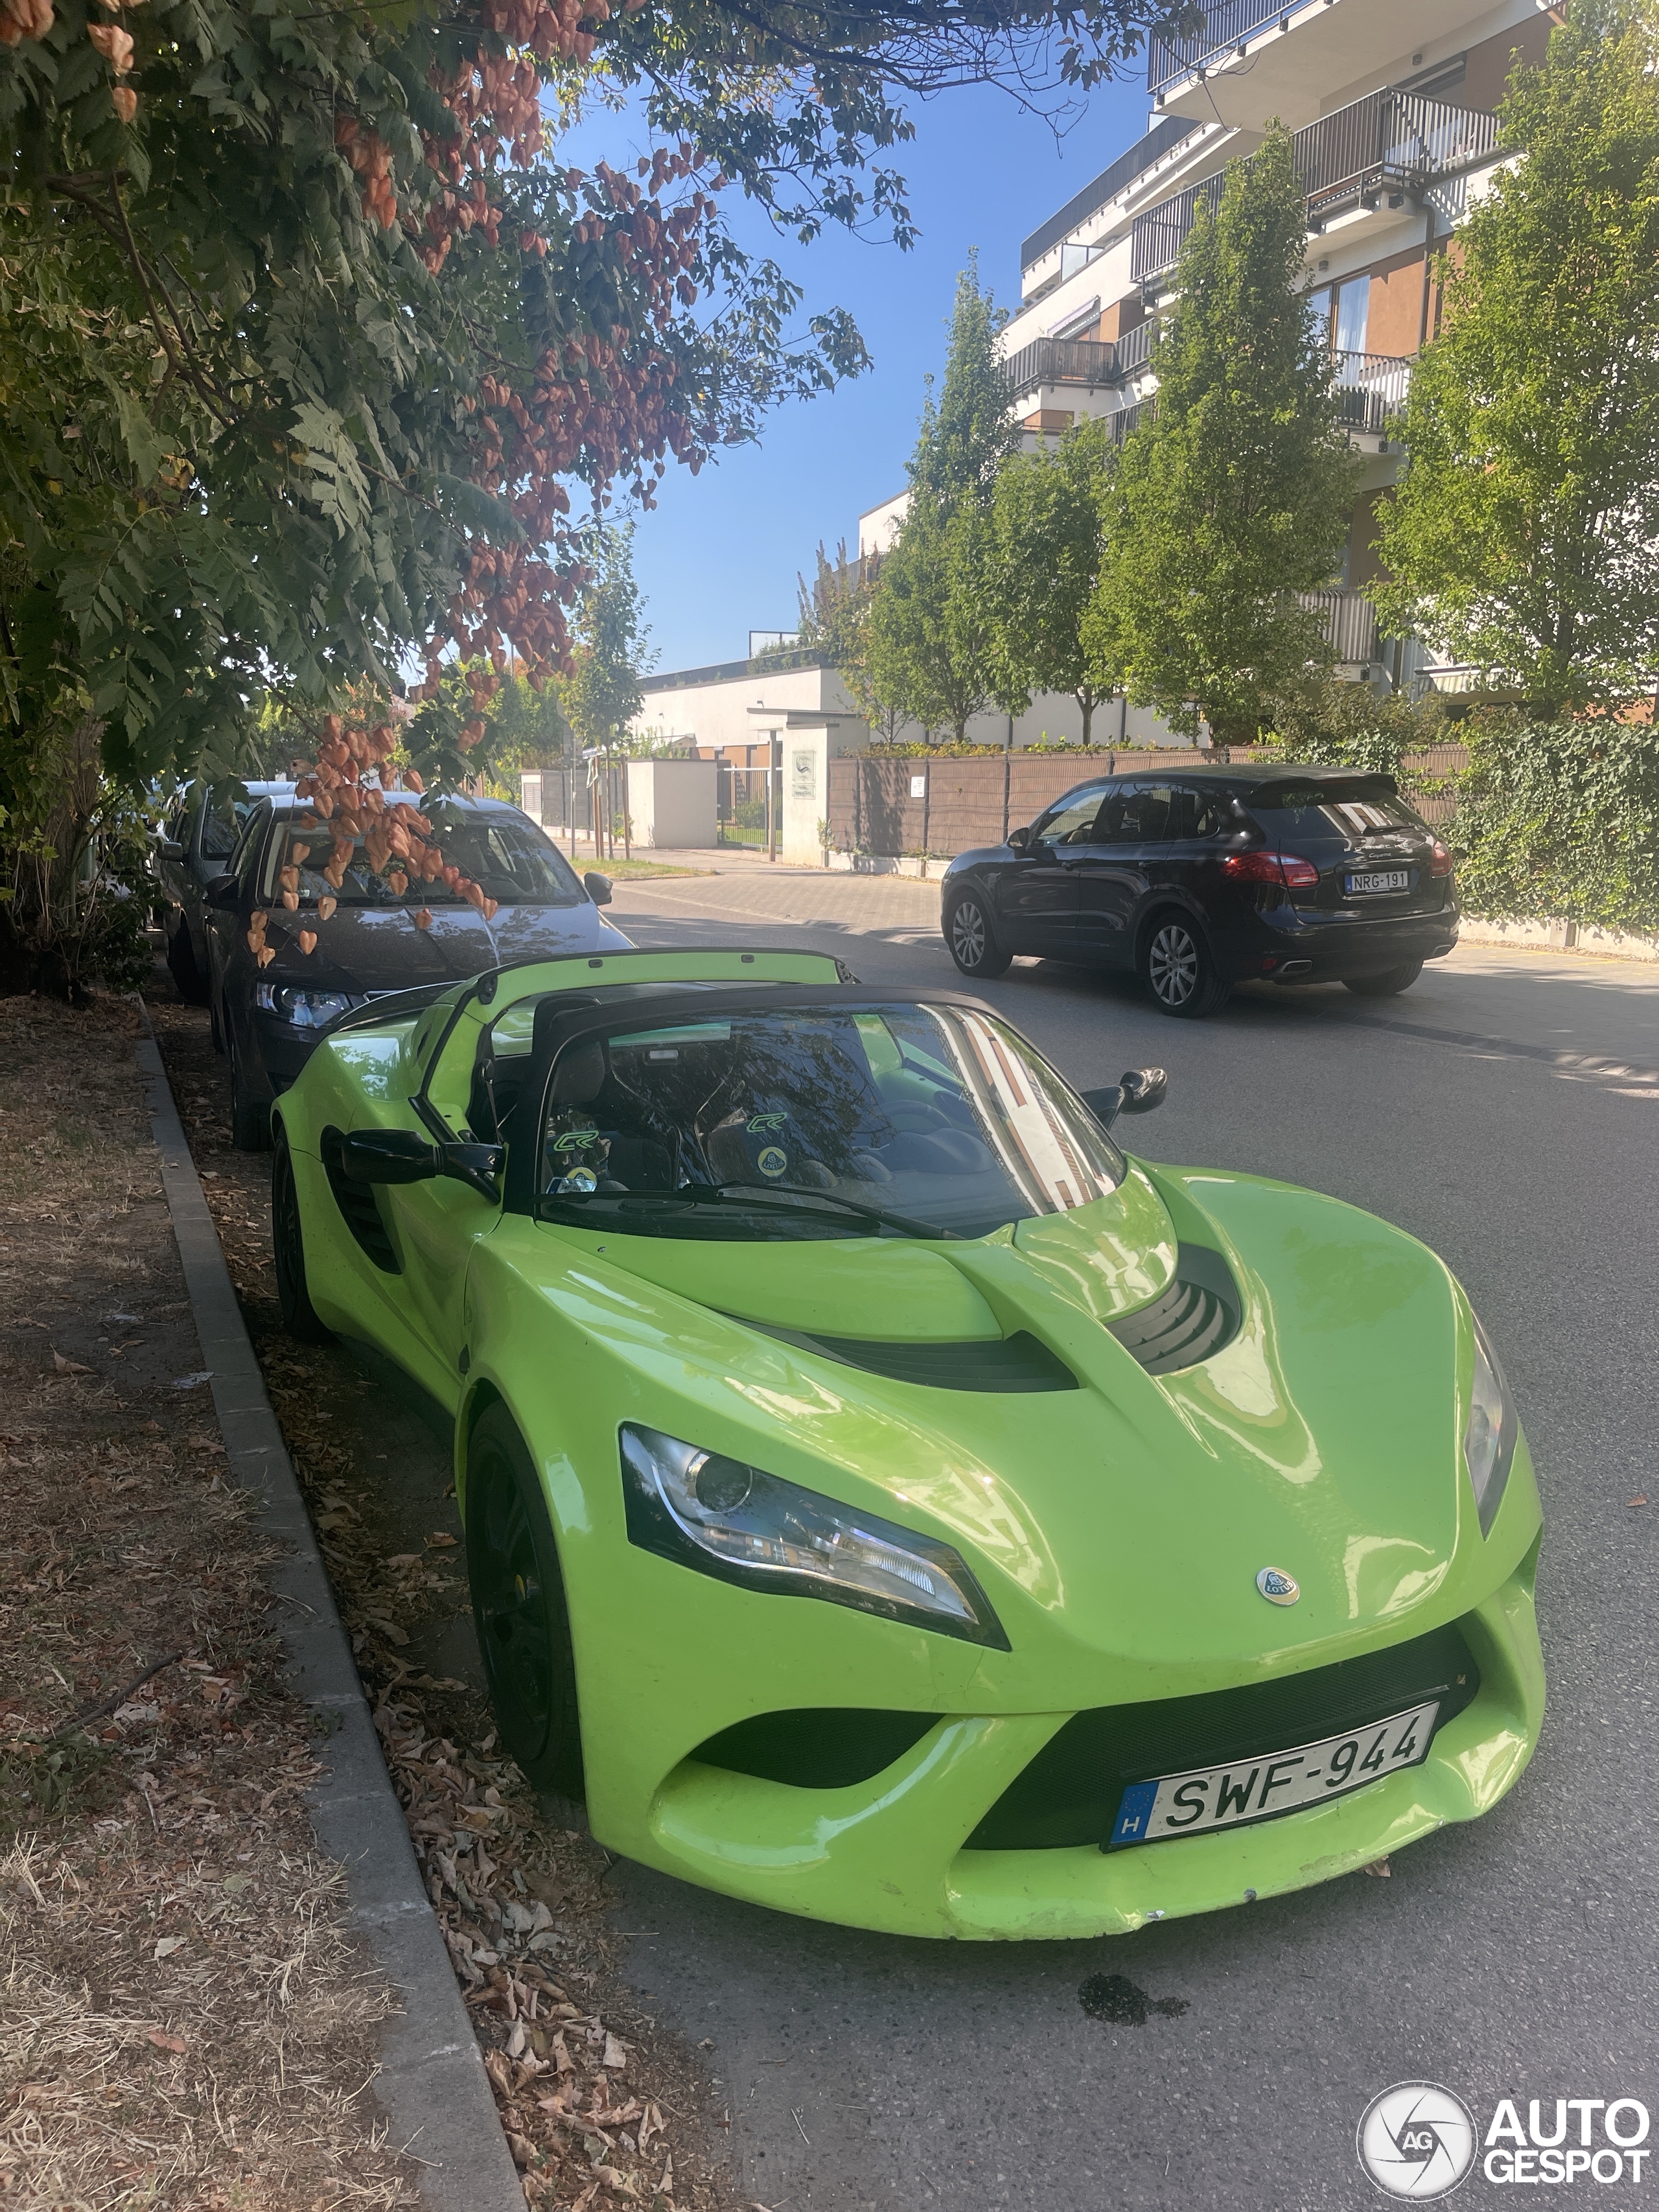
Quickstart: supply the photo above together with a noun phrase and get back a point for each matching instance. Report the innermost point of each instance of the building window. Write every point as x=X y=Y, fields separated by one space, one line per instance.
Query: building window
x=1353 y=302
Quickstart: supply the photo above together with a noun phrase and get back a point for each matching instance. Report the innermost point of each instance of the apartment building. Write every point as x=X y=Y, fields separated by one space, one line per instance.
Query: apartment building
x=1392 y=107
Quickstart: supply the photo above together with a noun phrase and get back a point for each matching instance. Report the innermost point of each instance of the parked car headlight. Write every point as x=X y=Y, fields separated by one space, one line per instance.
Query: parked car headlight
x=306 y=1010
x=1493 y=1425
x=728 y=1519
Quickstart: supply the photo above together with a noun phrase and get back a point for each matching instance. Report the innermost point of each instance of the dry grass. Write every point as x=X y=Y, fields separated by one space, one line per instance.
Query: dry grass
x=185 y=2021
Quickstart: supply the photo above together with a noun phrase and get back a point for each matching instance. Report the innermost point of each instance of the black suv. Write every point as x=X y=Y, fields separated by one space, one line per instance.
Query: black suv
x=1199 y=879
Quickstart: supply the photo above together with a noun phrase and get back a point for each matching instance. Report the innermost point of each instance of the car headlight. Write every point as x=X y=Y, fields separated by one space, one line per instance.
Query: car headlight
x=735 y=1522
x=306 y=1010
x=1493 y=1425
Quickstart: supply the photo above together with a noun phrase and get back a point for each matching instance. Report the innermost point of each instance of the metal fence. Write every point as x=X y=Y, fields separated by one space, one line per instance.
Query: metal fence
x=1371 y=388
x=1350 y=623
x=1387 y=143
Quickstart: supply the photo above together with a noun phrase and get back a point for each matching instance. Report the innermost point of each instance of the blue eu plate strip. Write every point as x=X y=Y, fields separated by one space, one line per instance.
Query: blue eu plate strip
x=1133 y=1812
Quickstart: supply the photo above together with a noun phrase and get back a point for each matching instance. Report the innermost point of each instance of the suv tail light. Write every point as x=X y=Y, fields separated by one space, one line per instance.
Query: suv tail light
x=1439 y=860
x=1287 y=870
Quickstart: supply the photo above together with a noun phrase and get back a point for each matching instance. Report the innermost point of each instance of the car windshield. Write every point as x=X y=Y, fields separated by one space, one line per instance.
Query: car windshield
x=939 y=1116
x=1325 y=810
x=500 y=850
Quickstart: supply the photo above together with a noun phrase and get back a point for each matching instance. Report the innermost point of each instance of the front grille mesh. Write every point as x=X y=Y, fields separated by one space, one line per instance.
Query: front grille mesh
x=1069 y=1794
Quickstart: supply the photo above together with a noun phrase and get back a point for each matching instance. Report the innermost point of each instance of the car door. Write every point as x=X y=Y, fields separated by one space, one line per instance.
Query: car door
x=1037 y=896
x=1116 y=874
x=230 y=964
x=209 y=852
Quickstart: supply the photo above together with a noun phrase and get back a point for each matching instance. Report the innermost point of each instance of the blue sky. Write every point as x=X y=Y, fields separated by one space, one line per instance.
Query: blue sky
x=719 y=553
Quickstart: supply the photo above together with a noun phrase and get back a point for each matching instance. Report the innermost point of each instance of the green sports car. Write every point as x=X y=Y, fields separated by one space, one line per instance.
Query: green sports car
x=885 y=1499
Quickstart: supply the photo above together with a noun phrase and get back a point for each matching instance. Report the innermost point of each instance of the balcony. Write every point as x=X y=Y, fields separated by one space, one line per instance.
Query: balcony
x=1170 y=61
x=1349 y=623
x=1090 y=361
x=1387 y=146
x=1251 y=60
x=1371 y=390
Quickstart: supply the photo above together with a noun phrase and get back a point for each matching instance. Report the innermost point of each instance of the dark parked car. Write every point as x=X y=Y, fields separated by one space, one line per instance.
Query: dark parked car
x=193 y=845
x=370 y=941
x=1199 y=879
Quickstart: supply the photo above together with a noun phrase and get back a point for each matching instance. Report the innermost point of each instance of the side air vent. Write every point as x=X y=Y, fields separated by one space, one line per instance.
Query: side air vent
x=822 y=1748
x=1196 y=1315
x=360 y=1207
x=1001 y=1364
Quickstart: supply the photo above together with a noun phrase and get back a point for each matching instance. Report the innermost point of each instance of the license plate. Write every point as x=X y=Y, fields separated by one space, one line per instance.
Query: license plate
x=1251 y=1790
x=1379 y=879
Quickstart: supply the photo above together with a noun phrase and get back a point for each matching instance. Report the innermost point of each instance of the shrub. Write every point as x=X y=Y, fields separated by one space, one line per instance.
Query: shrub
x=1560 y=821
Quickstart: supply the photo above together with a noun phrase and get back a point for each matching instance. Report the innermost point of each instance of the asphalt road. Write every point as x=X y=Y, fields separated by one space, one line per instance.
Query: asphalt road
x=1506 y=1110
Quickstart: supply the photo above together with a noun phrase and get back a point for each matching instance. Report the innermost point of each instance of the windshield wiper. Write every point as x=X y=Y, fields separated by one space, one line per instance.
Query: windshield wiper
x=727 y=1193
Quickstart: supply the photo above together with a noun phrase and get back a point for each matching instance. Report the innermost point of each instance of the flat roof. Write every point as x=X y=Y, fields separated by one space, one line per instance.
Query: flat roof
x=1168 y=130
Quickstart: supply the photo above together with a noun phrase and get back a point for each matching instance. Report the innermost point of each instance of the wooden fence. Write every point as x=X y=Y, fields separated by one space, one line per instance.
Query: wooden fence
x=942 y=804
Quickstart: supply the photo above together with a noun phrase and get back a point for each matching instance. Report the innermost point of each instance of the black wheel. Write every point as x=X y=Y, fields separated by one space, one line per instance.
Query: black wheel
x=1176 y=968
x=1386 y=982
x=250 y=1118
x=181 y=959
x=300 y=1317
x=972 y=940
x=519 y=1607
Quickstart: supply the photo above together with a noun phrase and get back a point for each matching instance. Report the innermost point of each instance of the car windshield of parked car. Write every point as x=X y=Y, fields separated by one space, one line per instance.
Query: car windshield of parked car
x=938 y=1115
x=502 y=851
x=1323 y=810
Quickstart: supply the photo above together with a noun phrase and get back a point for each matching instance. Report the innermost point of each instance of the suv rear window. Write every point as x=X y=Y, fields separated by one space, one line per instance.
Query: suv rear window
x=1329 y=809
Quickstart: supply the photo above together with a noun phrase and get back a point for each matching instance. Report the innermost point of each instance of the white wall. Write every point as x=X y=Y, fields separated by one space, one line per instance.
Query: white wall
x=670 y=804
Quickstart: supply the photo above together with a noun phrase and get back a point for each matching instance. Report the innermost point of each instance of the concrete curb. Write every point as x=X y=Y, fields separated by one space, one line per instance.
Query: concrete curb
x=432 y=2085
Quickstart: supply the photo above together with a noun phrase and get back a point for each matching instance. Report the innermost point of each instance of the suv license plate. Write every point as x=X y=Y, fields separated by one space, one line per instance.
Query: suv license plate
x=1379 y=879
x=1252 y=1789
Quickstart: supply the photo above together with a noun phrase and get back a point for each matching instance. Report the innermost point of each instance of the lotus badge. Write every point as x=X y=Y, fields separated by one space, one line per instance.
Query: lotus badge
x=1277 y=1587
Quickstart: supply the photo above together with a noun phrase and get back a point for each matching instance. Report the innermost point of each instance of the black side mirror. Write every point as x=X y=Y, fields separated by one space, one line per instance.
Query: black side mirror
x=1140 y=1090
x=1020 y=840
x=220 y=893
x=170 y=849
x=399 y=1156
x=597 y=887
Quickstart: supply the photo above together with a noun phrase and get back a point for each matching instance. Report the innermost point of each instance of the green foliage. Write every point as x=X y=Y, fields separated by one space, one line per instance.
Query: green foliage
x=1233 y=492
x=1344 y=725
x=930 y=652
x=1560 y=821
x=1525 y=536
x=1047 y=544
x=602 y=692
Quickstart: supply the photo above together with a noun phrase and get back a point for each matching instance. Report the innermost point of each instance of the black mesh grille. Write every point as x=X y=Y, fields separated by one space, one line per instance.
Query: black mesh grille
x=820 y=1748
x=1069 y=1793
x=1021 y=1362
x=360 y=1207
x=1196 y=1316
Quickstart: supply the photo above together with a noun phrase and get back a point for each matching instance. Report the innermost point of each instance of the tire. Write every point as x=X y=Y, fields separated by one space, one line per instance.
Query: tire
x=972 y=941
x=300 y=1317
x=1387 y=983
x=250 y=1118
x=518 y=1608
x=181 y=959
x=1176 y=968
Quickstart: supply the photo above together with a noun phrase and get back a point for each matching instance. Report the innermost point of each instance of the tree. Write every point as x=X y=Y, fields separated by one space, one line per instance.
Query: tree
x=306 y=331
x=834 y=620
x=1233 y=493
x=1524 y=537
x=930 y=648
x=1047 y=544
x=602 y=693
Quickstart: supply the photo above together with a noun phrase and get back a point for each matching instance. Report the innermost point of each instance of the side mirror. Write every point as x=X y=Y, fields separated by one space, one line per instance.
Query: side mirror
x=1140 y=1090
x=400 y=1156
x=1020 y=840
x=597 y=887
x=170 y=849
x=220 y=893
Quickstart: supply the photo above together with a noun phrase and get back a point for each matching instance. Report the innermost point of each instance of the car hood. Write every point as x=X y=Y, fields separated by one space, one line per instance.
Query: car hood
x=1136 y=1510
x=361 y=949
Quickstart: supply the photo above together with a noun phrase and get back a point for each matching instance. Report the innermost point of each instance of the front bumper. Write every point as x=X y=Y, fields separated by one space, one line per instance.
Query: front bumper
x=890 y=1854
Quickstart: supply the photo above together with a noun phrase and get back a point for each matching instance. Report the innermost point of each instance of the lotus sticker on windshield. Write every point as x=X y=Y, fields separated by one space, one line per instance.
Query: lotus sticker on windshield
x=772 y=1162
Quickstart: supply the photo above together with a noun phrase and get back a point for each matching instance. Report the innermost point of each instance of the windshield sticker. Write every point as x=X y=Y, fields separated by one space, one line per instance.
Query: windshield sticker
x=764 y=1124
x=772 y=1162
x=574 y=1140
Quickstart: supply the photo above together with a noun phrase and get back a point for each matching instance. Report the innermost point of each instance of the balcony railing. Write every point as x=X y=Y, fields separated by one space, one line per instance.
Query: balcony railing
x=1134 y=347
x=1371 y=389
x=1092 y=362
x=1388 y=143
x=1170 y=60
x=1350 y=623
